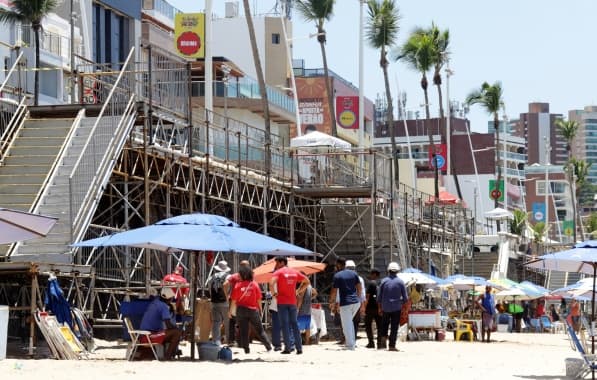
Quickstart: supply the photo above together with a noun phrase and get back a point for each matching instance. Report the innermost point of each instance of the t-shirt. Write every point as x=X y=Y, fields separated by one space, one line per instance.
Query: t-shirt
x=372 y=295
x=247 y=294
x=346 y=282
x=155 y=315
x=287 y=279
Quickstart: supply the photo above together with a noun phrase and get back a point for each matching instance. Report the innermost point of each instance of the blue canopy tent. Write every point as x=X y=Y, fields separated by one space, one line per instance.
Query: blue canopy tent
x=198 y=232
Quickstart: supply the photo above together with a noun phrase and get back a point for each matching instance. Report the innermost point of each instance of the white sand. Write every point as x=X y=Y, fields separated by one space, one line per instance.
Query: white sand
x=510 y=356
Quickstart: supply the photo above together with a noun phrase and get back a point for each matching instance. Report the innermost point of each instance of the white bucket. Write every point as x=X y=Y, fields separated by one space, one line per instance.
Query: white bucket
x=3 y=330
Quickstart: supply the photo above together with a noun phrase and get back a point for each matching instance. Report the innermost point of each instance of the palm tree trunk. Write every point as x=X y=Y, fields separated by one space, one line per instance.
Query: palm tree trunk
x=438 y=83
x=328 y=88
x=36 y=28
x=262 y=86
x=266 y=116
x=430 y=135
x=390 y=119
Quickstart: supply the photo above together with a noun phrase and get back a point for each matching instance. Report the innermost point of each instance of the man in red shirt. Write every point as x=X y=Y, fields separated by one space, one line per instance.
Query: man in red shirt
x=283 y=284
x=229 y=284
x=180 y=287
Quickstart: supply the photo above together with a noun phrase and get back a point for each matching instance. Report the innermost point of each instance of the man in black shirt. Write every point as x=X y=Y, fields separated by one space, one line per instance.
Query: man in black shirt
x=371 y=312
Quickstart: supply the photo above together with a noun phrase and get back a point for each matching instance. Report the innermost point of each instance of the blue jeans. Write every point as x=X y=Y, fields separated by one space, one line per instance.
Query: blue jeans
x=276 y=331
x=347 y=313
x=287 y=315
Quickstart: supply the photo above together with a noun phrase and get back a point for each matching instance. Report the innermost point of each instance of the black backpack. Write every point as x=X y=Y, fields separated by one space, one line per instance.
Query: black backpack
x=217 y=287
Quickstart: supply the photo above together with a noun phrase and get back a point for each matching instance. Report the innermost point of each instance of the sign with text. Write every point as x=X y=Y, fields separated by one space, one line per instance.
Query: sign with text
x=189 y=34
x=347 y=111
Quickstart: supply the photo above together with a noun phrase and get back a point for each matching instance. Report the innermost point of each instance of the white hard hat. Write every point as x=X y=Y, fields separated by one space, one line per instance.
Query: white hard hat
x=393 y=267
x=350 y=264
x=168 y=293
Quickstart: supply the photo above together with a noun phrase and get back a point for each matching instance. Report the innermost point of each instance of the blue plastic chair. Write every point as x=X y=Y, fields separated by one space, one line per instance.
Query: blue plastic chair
x=535 y=325
x=546 y=323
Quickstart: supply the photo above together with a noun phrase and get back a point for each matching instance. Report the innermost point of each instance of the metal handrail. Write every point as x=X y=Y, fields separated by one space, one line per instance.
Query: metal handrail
x=90 y=144
x=10 y=72
x=12 y=128
x=50 y=179
x=110 y=157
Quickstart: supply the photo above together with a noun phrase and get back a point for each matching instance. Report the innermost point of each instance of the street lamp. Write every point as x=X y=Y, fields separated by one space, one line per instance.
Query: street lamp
x=547 y=187
x=226 y=77
x=475 y=195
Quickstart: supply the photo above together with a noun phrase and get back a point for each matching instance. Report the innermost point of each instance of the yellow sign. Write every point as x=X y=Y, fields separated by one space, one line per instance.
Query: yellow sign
x=189 y=34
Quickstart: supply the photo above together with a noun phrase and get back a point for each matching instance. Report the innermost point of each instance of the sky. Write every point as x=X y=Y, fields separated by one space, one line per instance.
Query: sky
x=540 y=50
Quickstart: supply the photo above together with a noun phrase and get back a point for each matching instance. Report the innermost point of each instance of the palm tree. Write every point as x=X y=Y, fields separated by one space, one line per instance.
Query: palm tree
x=441 y=40
x=30 y=12
x=592 y=225
x=539 y=235
x=381 y=33
x=490 y=97
x=419 y=52
x=519 y=222
x=262 y=86
x=568 y=129
x=320 y=11
x=581 y=173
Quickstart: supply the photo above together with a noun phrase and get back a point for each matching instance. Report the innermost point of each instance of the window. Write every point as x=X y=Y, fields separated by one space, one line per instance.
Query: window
x=276 y=38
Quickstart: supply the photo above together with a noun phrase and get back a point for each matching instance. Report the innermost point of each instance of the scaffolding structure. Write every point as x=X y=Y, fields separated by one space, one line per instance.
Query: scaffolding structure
x=181 y=158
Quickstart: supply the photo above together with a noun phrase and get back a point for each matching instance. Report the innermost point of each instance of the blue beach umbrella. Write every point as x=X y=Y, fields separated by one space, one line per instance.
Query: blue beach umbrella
x=198 y=232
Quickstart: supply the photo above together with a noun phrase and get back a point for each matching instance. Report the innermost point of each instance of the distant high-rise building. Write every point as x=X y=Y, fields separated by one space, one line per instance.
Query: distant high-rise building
x=585 y=143
x=538 y=128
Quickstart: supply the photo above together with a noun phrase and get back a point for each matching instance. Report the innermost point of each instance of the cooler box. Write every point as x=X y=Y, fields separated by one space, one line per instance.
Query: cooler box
x=424 y=319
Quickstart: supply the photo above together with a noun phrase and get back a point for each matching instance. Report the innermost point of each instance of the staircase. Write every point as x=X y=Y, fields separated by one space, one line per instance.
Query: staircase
x=348 y=228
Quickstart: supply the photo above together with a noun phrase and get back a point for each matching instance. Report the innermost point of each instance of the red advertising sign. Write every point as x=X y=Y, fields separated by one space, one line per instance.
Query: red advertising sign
x=441 y=157
x=347 y=111
x=188 y=43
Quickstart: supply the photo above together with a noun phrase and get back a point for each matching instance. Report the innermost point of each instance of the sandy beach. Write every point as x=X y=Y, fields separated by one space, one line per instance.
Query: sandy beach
x=509 y=356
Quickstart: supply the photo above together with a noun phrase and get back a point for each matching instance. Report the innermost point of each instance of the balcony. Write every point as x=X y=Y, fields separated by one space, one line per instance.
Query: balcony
x=50 y=42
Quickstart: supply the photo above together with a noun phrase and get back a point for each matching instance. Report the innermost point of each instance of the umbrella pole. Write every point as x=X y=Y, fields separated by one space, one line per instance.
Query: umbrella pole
x=193 y=298
x=593 y=318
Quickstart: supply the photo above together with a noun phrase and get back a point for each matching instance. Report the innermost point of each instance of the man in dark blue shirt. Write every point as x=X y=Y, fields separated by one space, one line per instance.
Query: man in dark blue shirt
x=158 y=318
x=392 y=295
x=347 y=283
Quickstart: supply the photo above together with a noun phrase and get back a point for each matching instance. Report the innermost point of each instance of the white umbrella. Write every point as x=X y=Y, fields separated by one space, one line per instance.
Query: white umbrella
x=515 y=294
x=499 y=214
x=20 y=225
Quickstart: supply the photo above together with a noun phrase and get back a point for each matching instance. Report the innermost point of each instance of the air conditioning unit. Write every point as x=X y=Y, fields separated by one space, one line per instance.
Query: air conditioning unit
x=231 y=9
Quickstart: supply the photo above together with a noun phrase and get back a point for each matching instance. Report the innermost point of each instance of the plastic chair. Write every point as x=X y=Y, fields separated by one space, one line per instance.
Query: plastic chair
x=535 y=325
x=589 y=359
x=546 y=323
x=139 y=338
x=461 y=329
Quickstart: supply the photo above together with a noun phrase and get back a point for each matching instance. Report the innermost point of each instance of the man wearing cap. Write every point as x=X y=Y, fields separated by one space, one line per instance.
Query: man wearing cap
x=219 y=301
x=371 y=313
x=346 y=282
x=390 y=298
x=356 y=320
x=159 y=317
x=180 y=286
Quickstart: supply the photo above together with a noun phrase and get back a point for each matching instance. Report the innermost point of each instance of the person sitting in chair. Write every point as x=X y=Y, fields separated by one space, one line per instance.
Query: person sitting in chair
x=159 y=318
